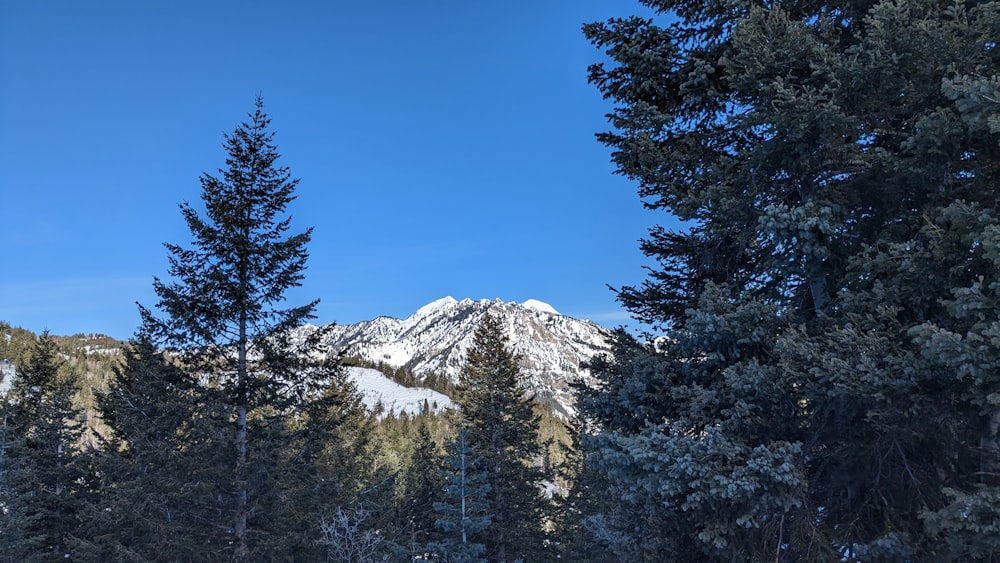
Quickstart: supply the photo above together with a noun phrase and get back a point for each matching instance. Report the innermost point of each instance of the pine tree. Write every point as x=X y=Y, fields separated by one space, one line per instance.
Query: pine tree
x=465 y=512
x=222 y=318
x=580 y=533
x=834 y=167
x=44 y=468
x=423 y=488
x=323 y=464
x=503 y=432
x=157 y=465
x=15 y=344
x=9 y=522
x=406 y=481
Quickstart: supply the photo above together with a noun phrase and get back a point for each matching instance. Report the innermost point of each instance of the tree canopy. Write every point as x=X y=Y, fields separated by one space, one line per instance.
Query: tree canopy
x=249 y=432
x=43 y=480
x=829 y=304
x=502 y=430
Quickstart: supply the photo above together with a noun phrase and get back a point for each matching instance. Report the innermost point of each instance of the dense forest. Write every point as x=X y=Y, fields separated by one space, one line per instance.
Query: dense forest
x=818 y=377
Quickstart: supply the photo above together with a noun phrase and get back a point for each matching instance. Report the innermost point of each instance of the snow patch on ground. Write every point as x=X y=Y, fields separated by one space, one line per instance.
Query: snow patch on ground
x=375 y=387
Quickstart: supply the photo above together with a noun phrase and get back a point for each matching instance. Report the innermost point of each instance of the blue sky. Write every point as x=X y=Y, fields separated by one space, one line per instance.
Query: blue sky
x=443 y=147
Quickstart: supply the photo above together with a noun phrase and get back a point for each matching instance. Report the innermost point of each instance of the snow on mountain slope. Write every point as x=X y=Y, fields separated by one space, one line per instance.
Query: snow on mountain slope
x=435 y=338
x=377 y=389
x=7 y=375
x=540 y=306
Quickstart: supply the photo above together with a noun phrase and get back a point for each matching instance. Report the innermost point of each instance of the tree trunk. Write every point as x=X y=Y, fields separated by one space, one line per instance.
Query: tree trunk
x=241 y=494
x=816 y=279
x=462 y=493
x=989 y=449
x=240 y=529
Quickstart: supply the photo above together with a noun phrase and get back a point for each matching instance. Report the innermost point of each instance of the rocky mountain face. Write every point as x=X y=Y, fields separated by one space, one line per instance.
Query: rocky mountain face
x=436 y=337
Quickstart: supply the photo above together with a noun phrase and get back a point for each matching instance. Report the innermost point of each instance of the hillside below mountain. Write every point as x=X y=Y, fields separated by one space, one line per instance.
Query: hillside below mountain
x=435 y=338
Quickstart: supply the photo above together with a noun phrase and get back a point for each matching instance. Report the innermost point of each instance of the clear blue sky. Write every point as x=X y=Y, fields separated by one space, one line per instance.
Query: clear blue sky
x=444 y=148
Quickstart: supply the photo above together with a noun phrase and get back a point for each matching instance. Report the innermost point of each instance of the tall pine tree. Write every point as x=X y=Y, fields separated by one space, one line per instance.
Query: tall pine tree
x=423 y=487
x=503 y=433
x=464 y=513
x=830 y=302
x=269 y=399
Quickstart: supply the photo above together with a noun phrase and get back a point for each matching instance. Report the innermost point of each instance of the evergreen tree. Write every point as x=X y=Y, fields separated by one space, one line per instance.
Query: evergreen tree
x=44 y=471
x=221 y=316
x=503 y=432
x=423 y=488
x=322 y=462
x=580 y=533
x=465 y=512
x=829 y=301
x=9 y=522
x=159 y=465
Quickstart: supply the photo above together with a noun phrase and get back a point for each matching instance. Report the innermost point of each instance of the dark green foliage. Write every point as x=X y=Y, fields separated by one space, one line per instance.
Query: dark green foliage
x=88 y=359
x=830 y=304
x=968 y=527
x=322 y=459
x=225 y=289
x=423 y=487
x=16 y=344
x=503 y=433
x=44 y=487
x=160 y=463
x=580 y=533
x=243 y=438
x=465 y=513
x=408 y=463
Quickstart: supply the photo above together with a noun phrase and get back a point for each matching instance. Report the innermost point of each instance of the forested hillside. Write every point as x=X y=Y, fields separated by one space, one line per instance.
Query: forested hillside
x=86 y=359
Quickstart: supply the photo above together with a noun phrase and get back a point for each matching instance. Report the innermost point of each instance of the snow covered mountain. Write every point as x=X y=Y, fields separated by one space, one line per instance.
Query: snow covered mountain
x=435 y=338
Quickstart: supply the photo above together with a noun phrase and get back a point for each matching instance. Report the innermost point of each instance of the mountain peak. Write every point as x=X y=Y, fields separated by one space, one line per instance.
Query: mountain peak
x=435 y=306
x=540 y=306
x=434 y=340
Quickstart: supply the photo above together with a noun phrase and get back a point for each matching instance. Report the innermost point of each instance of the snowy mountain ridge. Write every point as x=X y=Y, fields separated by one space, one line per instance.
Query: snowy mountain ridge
x=435 y=338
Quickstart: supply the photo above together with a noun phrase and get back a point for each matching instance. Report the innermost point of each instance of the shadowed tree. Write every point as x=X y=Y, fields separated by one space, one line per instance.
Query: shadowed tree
x=831 y=299
x=223 y=316
x=503 y=434
x=423 y=488
x=465 y=510
x=44 y=490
